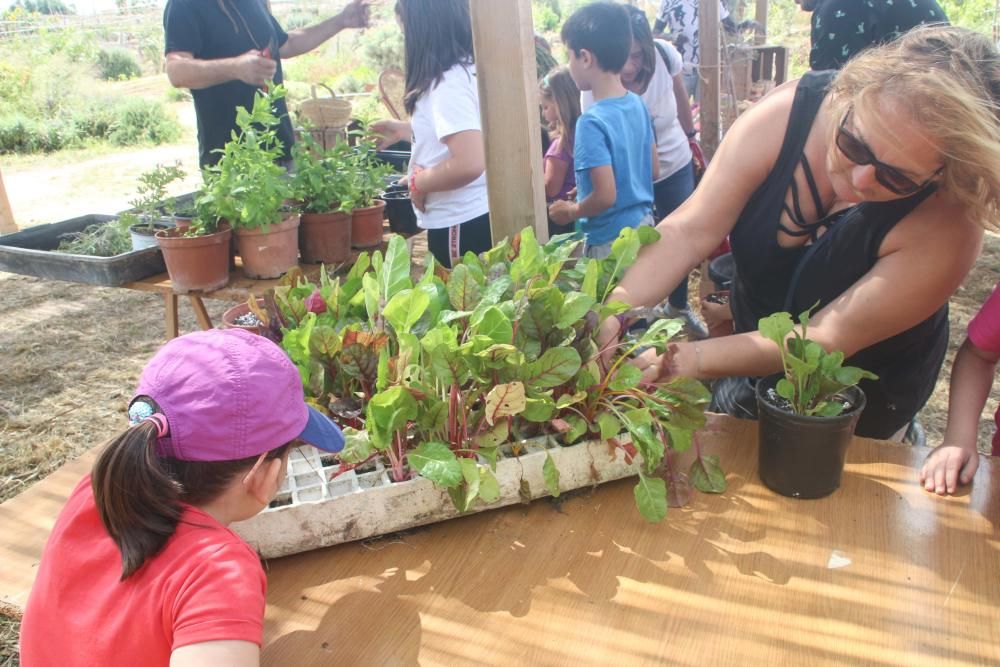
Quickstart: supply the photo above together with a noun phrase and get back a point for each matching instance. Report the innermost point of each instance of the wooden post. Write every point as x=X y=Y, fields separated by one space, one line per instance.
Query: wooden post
x=760 y=34
x=7 y=224
x=508 y=98
x=708 y=73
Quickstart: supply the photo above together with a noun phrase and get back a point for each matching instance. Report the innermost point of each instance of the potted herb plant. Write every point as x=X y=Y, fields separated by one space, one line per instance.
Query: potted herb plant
x=367 y=210
x=248 y=189
x=152 y=207
x=322 y=182
x=807 y=414
x=197 y=255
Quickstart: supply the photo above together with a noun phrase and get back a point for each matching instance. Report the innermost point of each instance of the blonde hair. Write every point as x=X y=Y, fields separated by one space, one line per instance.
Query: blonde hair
x=948 y=81
x=559 y=87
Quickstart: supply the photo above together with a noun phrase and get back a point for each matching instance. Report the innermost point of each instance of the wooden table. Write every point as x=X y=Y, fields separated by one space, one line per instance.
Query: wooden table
x=880 y=573
x=237 y=290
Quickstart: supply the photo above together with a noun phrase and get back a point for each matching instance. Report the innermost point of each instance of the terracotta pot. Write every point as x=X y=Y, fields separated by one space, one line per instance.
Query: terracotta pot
x=366 y=225
x=196 y=263
x=230 y=316
x=270 y=253
x=325 y=238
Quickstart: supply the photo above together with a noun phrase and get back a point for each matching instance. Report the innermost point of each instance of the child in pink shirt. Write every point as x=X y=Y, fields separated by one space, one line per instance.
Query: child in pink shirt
x=956 y=459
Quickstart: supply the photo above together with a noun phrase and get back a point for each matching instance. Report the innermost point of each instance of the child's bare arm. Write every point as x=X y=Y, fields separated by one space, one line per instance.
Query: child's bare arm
x=599 y=200
x=956 y=459
x=656 y=165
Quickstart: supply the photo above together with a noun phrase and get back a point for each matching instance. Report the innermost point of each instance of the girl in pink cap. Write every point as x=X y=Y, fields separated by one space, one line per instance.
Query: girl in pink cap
x=141 y=567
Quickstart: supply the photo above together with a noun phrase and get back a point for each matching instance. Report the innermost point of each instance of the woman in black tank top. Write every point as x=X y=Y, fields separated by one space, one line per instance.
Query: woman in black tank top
x=864 y=193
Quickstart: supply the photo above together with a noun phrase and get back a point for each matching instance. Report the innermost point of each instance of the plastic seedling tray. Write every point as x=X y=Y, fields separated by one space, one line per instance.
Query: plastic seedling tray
x=313 y=509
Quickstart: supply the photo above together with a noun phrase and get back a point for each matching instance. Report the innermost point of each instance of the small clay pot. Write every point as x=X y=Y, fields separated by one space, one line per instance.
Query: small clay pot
x=269 y=252
x=196 y=263
x=325 y=238
x=366 y=225
x=239 y=310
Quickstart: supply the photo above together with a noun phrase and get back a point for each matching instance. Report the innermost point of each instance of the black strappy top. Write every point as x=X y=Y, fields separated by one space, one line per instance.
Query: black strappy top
x=769 y=277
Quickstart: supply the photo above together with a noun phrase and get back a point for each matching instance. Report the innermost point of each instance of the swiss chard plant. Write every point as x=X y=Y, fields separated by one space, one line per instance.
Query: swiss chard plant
x=814 y=378
x=451 y=370
x=248 y=188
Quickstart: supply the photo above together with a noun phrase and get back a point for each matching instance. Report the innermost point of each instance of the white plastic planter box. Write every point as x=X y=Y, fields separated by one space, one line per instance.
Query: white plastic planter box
x=320 y=511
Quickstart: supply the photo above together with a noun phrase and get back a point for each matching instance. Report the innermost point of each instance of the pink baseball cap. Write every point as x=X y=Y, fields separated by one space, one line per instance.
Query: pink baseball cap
x=228 y=394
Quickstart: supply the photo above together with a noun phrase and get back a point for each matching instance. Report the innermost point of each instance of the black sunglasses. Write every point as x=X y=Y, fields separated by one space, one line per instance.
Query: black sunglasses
x=890 y=177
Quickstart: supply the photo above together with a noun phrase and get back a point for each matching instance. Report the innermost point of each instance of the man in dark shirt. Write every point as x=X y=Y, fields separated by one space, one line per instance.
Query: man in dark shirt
x=842 y=28
x=225 y=50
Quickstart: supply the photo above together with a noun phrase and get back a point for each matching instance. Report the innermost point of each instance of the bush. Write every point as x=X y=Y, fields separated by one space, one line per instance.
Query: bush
x=383 y=48
x=121 y=121
x=139 y=121
x=544 y=18
x=117 y=64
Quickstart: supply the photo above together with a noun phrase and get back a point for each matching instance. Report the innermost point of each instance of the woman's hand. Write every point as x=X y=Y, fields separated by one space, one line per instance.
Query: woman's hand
x=417 y=196
x=947 y=466
x=390 y=131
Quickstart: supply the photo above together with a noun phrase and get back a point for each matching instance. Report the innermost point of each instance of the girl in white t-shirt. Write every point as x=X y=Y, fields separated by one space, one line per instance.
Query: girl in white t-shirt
x=654 y=73
x=446 y=177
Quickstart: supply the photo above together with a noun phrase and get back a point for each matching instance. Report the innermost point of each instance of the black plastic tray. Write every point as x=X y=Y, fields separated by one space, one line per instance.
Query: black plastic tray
x=30 y=253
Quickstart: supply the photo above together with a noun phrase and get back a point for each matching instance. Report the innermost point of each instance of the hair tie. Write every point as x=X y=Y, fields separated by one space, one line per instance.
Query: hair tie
x=160 y=421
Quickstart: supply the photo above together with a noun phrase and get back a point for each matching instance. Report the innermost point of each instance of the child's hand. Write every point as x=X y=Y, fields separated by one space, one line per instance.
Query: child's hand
x=947 y=466
x=388 y=132
x=562 y=212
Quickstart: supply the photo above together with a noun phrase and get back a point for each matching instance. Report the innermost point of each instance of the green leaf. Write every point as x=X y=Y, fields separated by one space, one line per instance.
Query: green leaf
x=470 y=473
x=463 y=290
x=395 y=275
x=497 y=435
x=370 y=289
x=357 y=446
x=567 y=400
x=324 y=343
x=489 y=487
x=392 y=408
x=555 y=367
x=504 y=400
x=828 y=409
x=647 y=235
x=529 y=262
x=785 y=389
x=706 y=475
x=437 y=463
x=578 y=427
x=575 y=307
x=496 y=326
x=651 y=498
x=405 y=308
x=626 y=377
x=610 y=426
x=590 y=278
x=551 y=474
x=776 y=328
x=490 y=454
x=382 y=379
x=539 y=409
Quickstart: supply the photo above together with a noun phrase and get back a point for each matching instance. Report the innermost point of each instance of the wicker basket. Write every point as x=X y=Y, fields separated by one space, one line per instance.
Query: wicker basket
x=325 y=113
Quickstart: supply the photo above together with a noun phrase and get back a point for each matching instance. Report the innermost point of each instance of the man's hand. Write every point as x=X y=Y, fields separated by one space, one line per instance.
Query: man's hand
x=254 y=69
x=562 y=212
x=356 y=15
x=948 y=466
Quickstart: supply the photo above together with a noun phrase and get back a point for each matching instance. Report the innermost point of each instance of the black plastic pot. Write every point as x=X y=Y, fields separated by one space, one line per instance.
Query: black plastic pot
x=399 y=211
x=799 y=456
x=721 y=271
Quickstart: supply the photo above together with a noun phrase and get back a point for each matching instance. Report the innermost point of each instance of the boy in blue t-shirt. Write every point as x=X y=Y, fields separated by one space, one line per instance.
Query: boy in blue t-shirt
x=614 y=149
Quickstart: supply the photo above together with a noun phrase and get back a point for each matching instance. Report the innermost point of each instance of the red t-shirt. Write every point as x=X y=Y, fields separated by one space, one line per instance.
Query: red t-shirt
x=206 y=584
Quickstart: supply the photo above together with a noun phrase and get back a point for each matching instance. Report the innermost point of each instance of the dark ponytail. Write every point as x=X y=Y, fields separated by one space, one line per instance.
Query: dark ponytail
x=139 y=495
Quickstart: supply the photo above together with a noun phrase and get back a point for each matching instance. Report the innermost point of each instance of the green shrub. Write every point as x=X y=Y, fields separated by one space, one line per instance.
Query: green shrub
x=19 y=134
x=116 y=64
x=139 y=121
x=383 y=47
x=544 y=18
